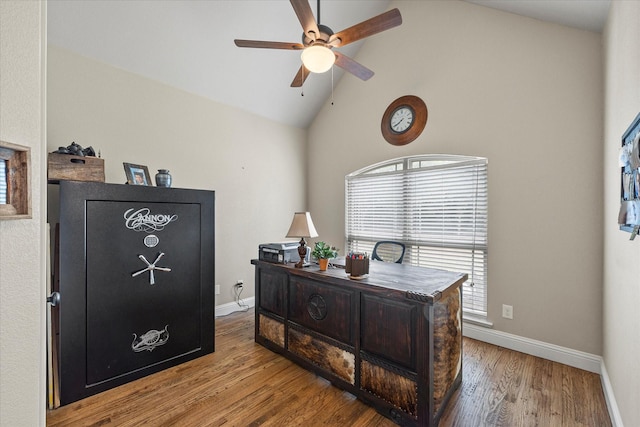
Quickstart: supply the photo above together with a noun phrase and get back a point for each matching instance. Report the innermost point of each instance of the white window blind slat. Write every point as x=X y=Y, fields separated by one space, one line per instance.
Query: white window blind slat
x=436 y=204
x=3 y=182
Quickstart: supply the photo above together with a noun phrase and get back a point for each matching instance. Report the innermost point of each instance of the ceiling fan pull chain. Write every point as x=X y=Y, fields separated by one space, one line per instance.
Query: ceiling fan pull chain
x=302 y=85
x=331 y=81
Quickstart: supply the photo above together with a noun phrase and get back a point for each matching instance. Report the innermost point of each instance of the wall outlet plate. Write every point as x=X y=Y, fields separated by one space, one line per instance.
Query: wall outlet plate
x=507 y=311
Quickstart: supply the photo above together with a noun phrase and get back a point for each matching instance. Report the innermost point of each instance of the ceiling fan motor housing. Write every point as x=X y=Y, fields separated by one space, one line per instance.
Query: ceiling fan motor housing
x=323 y=37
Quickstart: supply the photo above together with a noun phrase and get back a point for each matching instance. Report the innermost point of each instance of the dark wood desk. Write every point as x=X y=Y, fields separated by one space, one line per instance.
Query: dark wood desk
x=392 y=338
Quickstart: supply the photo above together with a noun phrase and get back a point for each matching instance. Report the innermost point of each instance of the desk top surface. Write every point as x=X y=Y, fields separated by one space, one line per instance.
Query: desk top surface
x=419 y=283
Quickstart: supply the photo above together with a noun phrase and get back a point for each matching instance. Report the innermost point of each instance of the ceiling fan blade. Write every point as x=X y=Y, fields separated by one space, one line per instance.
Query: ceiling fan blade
x=306 y=18
x=268 y=45
x=352 y=66
x=367 y=28
x=302 y=75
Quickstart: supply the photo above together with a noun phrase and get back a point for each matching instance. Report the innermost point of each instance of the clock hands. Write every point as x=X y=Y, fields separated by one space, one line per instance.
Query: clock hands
x=398 y=122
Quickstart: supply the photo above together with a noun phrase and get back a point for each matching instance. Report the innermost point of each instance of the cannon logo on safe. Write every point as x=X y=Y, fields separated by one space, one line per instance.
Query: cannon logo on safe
x=143 y=220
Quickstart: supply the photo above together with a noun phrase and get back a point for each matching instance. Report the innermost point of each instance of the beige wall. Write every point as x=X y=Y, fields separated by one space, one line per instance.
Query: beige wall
x=523 y=93
x=255 y=166
x=22 y=242
x=622 y=256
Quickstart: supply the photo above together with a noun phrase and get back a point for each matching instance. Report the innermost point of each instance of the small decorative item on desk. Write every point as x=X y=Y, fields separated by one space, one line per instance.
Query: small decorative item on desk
x=356 y=265
x=323 y=253
x=163 y=178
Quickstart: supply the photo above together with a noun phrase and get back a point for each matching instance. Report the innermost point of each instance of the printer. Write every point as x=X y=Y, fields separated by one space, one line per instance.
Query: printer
x=280 y=253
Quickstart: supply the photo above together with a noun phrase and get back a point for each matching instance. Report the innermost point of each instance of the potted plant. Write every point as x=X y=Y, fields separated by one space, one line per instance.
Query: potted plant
x=323 y=252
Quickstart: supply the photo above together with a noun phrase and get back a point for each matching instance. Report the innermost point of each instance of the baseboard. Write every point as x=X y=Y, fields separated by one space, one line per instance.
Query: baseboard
x=232 y=307
x=614 y=413
x=577 y=359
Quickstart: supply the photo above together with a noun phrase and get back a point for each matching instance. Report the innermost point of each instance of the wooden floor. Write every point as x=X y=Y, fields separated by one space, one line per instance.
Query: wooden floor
x=244 y=384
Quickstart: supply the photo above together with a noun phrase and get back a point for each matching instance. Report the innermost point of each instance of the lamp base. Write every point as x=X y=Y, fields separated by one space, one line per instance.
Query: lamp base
x=302 y=252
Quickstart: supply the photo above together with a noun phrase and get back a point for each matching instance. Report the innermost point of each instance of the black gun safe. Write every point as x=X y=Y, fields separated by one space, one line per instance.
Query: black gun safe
x=135 y=274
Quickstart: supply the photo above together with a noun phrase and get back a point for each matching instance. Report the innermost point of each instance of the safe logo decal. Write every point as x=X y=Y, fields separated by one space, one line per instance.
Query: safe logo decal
x=150 y=340
x=142 y=220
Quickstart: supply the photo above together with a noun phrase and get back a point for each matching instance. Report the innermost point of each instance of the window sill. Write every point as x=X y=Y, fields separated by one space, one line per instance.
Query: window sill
x=477 y=320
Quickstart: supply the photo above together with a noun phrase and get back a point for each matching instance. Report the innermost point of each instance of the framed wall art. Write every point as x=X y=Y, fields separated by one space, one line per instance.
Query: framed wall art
x=629 y=162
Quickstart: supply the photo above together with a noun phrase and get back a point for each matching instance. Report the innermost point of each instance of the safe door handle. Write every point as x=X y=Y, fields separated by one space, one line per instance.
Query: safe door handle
x=54 y=299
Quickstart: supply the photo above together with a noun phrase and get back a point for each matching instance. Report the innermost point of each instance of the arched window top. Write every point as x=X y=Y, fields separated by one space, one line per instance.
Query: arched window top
x=426 y=161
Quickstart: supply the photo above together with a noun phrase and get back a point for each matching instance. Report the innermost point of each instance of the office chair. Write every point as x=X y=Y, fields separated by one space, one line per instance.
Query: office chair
x=388 y=251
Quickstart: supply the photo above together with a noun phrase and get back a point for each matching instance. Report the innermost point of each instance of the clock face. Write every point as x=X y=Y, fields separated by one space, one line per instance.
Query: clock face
x=402 y=119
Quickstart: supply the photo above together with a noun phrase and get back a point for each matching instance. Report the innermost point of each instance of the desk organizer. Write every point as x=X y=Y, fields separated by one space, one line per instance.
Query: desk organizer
x=356 y=265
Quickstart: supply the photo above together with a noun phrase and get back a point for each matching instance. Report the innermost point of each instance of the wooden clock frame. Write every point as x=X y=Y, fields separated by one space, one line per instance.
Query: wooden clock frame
x=420 y=113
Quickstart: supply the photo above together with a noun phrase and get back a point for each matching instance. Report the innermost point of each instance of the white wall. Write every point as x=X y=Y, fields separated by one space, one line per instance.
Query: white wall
x=523 y=93
x=255 y=166
x=22 y=268
x=622 y=256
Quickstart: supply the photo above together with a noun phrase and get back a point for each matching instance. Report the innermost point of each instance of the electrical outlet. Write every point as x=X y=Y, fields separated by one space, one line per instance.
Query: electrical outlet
x=217 y=289
x=239 y=284
x=507 y=311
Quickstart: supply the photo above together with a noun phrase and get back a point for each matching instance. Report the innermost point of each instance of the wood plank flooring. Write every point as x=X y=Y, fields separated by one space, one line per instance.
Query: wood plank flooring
x=244 y=384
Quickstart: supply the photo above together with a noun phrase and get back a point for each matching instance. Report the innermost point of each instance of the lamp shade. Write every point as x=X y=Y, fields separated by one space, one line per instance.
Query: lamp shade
x=302 y=226
x=318 y=59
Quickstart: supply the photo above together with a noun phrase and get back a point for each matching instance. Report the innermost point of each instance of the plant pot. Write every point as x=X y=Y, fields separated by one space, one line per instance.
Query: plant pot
x=323 y=263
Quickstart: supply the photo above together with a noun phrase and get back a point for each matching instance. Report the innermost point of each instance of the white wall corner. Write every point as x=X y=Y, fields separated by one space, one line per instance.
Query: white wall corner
x=612 y=406
x=232 y=307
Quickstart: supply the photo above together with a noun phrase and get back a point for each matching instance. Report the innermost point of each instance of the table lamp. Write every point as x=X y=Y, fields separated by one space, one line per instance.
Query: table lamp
x=302 y=226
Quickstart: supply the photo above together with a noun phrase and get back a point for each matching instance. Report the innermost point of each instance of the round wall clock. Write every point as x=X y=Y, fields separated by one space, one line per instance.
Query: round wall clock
x=403 y=120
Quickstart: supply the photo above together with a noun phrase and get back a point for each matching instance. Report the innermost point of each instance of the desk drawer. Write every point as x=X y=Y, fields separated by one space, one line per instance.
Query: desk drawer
x=323 y=308
x=387 y=329
x=272 y=291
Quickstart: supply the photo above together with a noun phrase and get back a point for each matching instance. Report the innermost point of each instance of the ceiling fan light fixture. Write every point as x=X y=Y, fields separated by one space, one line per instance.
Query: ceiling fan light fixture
x=318 y=59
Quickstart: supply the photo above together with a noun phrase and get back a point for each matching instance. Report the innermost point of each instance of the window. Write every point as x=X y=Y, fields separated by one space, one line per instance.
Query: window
x=436 y=205
x=3 y=182
x=15 y=194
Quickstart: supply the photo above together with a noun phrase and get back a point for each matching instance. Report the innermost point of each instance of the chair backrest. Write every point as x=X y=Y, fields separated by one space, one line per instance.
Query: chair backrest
x=388 y=251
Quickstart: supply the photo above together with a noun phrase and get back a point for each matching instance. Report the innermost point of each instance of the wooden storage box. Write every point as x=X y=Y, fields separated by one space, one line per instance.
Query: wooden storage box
x=67 y=167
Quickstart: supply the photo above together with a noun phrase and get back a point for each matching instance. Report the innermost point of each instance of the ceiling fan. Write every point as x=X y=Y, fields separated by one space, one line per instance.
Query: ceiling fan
x=318 y=40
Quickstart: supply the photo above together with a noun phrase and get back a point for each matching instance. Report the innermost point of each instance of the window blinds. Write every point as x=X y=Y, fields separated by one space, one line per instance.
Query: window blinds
x=3 y=182
x=436 y=205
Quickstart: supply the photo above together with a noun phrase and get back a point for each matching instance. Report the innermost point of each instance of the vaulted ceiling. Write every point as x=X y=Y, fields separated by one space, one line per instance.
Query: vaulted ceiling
x=189 y=44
